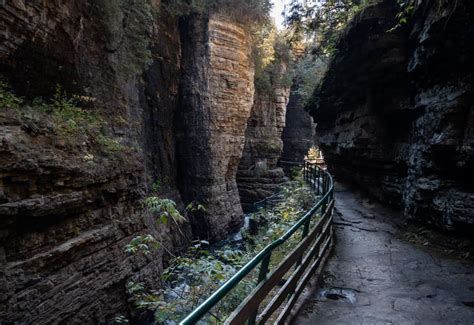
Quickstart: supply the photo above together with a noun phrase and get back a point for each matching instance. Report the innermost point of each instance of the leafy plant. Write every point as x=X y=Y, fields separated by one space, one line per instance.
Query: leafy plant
x=248 y=11
x=195 y=207
x=128 y=24
x=273 y=60
x=120 y=319
x=69 y=120
x=309 y=70
x=110 y=144
x=406 y=11
x=7 y=98
x=143 y=244
x=165 y=208
x=156 y=187
x=195 y=275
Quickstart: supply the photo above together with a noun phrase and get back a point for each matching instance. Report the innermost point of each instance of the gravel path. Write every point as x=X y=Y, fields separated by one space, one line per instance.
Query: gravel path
x=374 y=277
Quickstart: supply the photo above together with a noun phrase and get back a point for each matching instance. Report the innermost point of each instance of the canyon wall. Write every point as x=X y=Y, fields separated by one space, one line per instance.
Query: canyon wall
x=217 y=95
x=69 y=203
x=395 y=111
x=258 y=175
x=299 y=132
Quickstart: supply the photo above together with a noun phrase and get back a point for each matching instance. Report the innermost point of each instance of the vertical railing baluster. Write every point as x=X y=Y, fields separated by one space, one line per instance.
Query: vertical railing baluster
x=319 y=176
x=324 y=183
x=262 y=274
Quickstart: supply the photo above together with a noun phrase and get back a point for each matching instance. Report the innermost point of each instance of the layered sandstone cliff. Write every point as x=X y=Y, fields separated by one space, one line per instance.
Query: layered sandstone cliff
x=258 y=175
x=395 y=112
x=69 y=205
x=217 y=94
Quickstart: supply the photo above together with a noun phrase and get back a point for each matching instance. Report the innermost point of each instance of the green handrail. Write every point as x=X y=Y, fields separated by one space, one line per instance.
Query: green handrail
x=210 y=302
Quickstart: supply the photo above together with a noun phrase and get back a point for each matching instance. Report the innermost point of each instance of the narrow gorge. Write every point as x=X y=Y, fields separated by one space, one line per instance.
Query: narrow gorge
x=126 y=120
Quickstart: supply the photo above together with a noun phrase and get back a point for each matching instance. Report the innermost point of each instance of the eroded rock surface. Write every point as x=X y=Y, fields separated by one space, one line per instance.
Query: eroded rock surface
x=217 y=96
x=68 y=205
x=258 y=175
x=395 y=112
x=299 y=132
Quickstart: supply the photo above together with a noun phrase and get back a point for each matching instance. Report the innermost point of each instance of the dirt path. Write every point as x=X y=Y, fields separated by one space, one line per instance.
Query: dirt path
x=374 y=277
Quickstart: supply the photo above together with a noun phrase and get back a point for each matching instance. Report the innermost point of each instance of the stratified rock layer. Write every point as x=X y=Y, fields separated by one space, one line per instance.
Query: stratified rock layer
x=258 y=175
x=395 y=112
x=67 y=207
x=217 y=95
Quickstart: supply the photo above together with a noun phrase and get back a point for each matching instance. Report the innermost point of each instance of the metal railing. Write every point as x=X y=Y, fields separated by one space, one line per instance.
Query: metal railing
x=269 y=201
x=306 y=258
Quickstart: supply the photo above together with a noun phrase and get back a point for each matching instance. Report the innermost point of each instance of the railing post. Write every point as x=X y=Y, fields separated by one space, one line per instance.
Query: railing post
x=324 y=183
x=305 y=168
x=317 y=181
x=262 y=274
x=306 y=229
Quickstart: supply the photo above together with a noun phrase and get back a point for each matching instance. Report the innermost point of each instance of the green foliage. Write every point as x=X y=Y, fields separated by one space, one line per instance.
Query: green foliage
x=322 y=20
x=120 y=319
x=128 y=26
x=70 y=121
x=406 y=11
x=7 y=98
x=156 y=187
x=249 y=11
x=195 y=207
x=143 y=244
x=195 y=275
x=67 y=116
x=165 y=208
x=110 y=144
x=309 y=71
x=296 y=172
x=273 y=59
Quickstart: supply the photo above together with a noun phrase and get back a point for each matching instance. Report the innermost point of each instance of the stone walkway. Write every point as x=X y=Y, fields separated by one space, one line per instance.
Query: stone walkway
x=374 y=277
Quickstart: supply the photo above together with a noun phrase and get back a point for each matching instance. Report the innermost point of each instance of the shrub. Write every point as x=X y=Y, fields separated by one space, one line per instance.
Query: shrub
x=309 y=71
x=194 y=276
x=273 y=60
x=248 y=11
x=7 y=98
x=128 y=26
x=165 y=208
x=64 y=113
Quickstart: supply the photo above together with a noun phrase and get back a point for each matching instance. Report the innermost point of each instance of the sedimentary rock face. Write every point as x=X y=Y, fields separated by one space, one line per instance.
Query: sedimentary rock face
x=299 y=132
x=217 y=96
x=69 y=207
x=258 y=176
x=395 y=111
